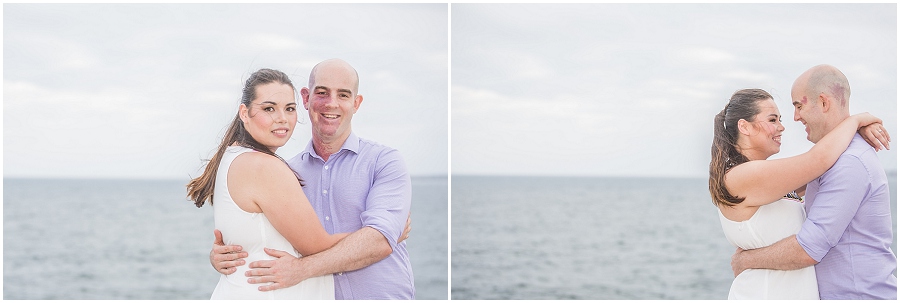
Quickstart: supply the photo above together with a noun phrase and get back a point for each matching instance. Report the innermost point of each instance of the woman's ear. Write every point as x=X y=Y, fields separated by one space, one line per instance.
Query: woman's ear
x=744 y=127
x=244 y=113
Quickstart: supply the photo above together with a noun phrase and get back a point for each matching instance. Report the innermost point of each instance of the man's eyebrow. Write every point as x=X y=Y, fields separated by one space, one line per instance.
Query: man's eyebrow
x=340 y=90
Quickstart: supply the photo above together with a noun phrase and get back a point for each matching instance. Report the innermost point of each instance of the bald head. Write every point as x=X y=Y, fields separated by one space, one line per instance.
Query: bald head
x=334 y=68
x=821 y=97
x=828 y=80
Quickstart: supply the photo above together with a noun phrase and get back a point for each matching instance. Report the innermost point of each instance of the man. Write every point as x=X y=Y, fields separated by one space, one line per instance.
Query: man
x=355 y=186
x=847 y=234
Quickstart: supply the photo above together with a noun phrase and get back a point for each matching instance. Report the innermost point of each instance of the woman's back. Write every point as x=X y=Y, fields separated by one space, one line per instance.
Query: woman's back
x=254 y=232
x=771 y=223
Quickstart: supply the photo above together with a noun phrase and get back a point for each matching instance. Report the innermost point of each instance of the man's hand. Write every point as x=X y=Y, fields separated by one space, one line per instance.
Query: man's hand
x=361 y=248
x=226 y=258
x=736 y=262
x=405 y=234
x=281 y=271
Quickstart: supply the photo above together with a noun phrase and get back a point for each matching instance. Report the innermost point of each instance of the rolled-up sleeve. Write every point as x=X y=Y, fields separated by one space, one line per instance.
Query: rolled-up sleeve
x=841 y=190
x=390 y=197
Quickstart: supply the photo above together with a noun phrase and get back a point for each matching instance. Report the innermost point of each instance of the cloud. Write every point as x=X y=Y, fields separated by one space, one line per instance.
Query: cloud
x=275 y=42
x=152 y=95
x=46 y=50
x=748 y=76
x=586 y=88
x=706 y=55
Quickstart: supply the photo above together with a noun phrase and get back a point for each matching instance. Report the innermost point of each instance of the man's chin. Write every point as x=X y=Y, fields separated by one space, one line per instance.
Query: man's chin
x=326 y=135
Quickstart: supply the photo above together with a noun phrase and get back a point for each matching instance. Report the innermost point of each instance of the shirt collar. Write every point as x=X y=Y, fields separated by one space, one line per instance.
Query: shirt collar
x=351 y=144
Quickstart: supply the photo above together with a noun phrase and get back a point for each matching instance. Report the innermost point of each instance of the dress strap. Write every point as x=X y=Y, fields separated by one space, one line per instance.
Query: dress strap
x=793 y=196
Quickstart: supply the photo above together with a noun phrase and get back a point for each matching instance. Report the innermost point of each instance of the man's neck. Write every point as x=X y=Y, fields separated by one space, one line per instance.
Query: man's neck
x=833 y=122
x=325 y=148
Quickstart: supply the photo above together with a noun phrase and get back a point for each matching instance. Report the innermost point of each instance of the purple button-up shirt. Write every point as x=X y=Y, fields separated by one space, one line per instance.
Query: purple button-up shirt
x=848 y=228
x=365 y=184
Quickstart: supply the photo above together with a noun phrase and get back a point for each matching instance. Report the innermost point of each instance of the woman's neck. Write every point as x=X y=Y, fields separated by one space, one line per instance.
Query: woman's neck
x=754 y=154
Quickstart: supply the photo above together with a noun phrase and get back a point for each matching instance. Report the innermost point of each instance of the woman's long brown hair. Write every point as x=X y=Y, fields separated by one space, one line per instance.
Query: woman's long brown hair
x=202 y=188
x=725 y=152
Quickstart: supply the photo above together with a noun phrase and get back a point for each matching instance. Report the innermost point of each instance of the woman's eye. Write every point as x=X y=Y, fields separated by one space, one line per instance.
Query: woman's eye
x=268 y=109
x=290 y=109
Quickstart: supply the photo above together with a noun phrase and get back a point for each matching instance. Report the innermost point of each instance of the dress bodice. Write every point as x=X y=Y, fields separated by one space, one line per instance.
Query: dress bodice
x=771 y=223
x=253 y=232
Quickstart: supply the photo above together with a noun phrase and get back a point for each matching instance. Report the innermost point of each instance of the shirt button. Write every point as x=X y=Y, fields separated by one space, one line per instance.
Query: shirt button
x=327 y=218
x=326 y=166
x=340 y=274
x=324 y=191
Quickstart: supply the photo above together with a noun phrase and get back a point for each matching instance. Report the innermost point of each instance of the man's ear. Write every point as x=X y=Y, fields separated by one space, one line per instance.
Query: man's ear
x=304 y=94
x=825 y=101
x=357 y=102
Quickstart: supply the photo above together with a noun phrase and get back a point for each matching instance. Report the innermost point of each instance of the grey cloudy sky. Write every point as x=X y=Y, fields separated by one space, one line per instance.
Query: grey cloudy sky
x=146 y=90
x=632 y=89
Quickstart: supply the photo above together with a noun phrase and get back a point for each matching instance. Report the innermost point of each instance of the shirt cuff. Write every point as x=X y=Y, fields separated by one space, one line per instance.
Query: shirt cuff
x=809 y=236
x=379 y=220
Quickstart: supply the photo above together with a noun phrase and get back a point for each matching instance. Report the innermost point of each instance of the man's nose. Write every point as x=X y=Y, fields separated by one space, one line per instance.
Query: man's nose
x=331 y=100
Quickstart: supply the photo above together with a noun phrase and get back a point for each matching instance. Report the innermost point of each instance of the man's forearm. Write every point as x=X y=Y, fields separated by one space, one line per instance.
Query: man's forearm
x=361 y=248
x=786 y=254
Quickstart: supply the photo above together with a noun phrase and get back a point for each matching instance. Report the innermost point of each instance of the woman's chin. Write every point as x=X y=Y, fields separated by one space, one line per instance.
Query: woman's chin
x=274 y=145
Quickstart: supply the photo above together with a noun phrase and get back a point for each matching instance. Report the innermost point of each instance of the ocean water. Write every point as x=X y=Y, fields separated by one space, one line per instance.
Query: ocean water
x=589 y=238
x=127 y=239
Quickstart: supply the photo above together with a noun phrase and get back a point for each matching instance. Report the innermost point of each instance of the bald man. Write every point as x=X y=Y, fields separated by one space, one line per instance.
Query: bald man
x=355 y=186
x=847 y=233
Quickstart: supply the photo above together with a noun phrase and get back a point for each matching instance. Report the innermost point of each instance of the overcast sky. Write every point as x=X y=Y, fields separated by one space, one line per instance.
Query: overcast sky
x=146 y=91
x=632 y=89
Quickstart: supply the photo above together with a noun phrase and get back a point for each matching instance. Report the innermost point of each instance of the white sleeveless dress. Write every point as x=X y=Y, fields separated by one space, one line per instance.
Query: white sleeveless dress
x=771 y=223
x=254 y=232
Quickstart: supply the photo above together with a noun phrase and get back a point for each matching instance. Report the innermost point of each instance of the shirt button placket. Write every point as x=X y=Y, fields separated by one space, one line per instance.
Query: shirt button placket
x=326 y=198
x=321 y=206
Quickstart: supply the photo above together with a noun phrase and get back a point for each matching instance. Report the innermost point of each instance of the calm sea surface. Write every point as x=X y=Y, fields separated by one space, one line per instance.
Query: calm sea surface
x=118 y=239
x=589 y=238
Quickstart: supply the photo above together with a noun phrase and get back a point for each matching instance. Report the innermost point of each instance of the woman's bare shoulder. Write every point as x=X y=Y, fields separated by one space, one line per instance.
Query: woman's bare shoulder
x=259 y=165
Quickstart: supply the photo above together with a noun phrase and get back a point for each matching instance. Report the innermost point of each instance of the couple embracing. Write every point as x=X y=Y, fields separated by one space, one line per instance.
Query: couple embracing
x=816 y=225
x=329 y=223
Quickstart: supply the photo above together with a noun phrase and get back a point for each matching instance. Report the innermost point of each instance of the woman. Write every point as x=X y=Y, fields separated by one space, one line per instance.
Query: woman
x=759 y=200
x=259 y=201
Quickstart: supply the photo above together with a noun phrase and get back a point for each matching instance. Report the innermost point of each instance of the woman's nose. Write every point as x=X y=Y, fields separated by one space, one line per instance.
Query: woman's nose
x=280 y=116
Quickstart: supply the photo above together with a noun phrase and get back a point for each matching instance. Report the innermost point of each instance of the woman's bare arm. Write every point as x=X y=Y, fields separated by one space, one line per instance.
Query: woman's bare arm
x=764 y=181
x=272 y=186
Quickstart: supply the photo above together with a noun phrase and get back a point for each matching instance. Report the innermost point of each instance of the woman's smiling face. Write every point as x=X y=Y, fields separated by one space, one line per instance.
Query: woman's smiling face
x=768 y=128
x=271 y=117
